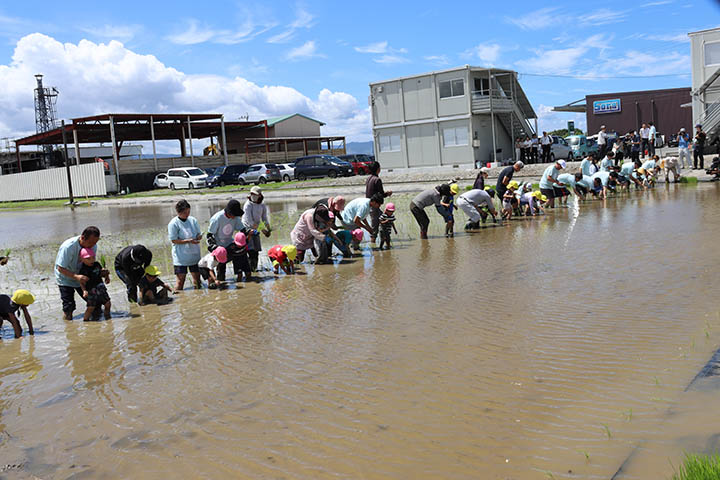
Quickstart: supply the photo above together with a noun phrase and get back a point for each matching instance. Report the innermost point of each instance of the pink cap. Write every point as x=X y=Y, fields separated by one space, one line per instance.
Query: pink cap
x=240 y=239
x=87 y=253
x=220 y=254
x=390 y=206
x=331 y=215
x=357 y=234
x=337 y=203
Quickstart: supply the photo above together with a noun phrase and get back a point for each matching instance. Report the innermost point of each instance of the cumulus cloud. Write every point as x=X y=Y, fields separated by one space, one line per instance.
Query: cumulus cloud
x=549 y=120
x=488 y=54
x=99 y=78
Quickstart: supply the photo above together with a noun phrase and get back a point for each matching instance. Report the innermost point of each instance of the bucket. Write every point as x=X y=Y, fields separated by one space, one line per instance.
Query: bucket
x=488 y=165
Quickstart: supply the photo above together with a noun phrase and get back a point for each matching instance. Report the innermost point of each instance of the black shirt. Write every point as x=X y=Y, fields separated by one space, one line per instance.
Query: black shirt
x=479 y=182
x=506 y=172
x=93 y=274
x=154 y=287
x=7 y=306
x=373 y=185
x=133 y=270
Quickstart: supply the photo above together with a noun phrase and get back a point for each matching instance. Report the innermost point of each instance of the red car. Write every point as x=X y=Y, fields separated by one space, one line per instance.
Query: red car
x=360 y=162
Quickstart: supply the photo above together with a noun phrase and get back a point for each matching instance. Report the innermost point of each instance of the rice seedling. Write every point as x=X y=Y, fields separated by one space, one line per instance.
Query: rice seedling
x=103 y=261
x=698 y=467
x=607 y=430
x=627 y=415
x=549 y=475
x=657 y=382
x=587 y=455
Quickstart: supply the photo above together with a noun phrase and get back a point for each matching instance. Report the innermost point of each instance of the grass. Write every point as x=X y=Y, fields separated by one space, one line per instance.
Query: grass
x=698 y=467
x=294 y=185
x=41 y=203
x=688 y=180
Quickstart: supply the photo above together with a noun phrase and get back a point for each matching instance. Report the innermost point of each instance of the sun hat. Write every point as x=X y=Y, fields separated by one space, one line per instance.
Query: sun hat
x=240 y=239
x=357 y=234
x=256 y=190
x=87 y=253
x=537 y=194
x=454 y=188
x=682 y=129
x=641 y=171
x=290 y=251
x=152 y=270
x=220 y=253
x=390 y=206
x=22 y=297
x=485 y=170
x=513 y=185
x=562 y=163
x=544 y=198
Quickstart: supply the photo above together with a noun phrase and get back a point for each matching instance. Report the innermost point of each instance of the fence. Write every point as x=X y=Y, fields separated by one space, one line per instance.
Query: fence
x=87 y=180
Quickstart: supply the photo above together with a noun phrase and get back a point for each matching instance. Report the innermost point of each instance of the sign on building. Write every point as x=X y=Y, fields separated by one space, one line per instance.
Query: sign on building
x=606 y=106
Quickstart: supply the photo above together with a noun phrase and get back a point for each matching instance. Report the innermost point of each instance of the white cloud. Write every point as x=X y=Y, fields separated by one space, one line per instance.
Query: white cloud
x=201 y=33
x=553 y=17
x=679 y=38
x=438 y=60
x=563 y=60
x=656 y=4
x=121 y=33
x=390 y=59
x=99 y=78
x=549 y=120
x=303 y=19
x=488 y=54
x=304 y=51
x=379 y=47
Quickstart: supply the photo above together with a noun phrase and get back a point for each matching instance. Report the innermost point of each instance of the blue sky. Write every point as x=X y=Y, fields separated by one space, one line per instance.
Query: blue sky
x=317 y=57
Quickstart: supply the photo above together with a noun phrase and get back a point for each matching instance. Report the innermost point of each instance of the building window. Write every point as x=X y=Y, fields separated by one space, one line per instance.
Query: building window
x=452 y=88
x=389 y=143
x=482 y=86
x=455 y=136
x=712 y=54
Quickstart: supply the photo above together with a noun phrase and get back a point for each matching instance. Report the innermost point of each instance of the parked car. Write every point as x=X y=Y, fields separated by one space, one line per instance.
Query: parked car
x=186 y=177
x=226 y=175
x=673 y=140
x=161 y=181
x=582 y=146
x=209 y=171
x=287 y=171
x=359 y=161
x=560 y=149
x=260 y=173
x=321 y=166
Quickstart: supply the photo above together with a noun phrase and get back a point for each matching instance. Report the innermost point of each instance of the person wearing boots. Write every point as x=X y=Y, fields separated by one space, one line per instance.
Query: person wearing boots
x=255 y=220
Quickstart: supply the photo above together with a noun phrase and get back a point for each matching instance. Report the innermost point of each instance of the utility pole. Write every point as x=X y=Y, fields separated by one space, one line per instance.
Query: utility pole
x=67 y=164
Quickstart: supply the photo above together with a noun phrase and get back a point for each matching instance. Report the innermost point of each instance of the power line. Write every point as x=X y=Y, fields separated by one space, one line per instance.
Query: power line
x=602 y=77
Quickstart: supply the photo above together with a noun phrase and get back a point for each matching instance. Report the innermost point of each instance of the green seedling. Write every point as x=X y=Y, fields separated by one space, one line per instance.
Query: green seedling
x=698 y=467
x=627 y=415
x=103 y=261
x=688 y=180
x=607 y=430
x=587 y=455
x=7 y=253
x=707 y=334
x=549 y=475
x=657 y=382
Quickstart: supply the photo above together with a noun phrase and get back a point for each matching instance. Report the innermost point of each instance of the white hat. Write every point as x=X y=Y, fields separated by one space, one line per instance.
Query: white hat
x=602 y=126
x=484 y=169
x=682 y=129
x=256 y=190
x=561 y=163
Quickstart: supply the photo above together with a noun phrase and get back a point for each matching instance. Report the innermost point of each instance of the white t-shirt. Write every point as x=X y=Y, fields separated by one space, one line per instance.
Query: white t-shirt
x=546 y=140
x=208 y=261
x=602 y=138
x=645 y=133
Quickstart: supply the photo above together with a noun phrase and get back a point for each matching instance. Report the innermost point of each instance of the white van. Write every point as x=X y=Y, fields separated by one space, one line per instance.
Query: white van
x=186 y=177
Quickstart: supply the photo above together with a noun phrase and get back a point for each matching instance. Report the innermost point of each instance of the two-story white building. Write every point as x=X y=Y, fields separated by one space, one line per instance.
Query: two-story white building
x=457 y=117
x=705 y=57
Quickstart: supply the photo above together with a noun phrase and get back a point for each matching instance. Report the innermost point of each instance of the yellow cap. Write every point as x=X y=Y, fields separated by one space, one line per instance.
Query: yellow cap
x=290 y=251
x=454 y=188
x=537 y=194
x=513 y=185
x=22 y=297
x=543 y=198
x=488 y=188
x=153 y=270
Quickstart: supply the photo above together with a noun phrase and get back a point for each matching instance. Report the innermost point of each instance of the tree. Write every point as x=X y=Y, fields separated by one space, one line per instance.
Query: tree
x=563 y=132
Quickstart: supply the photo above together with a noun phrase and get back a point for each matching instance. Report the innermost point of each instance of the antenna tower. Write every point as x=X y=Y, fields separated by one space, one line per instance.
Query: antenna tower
x=45 y=114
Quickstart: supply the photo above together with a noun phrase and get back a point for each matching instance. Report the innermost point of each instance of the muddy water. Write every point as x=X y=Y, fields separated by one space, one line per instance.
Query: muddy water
x=548 y=346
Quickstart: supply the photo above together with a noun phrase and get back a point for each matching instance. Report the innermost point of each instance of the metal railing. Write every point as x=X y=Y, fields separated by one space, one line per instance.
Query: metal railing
x=710 y=119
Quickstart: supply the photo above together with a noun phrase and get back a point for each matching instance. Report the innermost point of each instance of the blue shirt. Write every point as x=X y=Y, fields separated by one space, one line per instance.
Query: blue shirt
x=606 y=164
x=648 y=165
x=568 y=179
x=360 y=207
x=68 y=256
x=187 y=254
x=586 y=181
x=682 y=141
x=550 y=172
x=585 y=167
x=603 y=176
x=223 y=228
x=627 y=169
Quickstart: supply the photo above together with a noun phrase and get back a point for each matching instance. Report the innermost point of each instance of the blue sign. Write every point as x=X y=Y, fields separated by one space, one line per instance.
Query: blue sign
x=606 y=106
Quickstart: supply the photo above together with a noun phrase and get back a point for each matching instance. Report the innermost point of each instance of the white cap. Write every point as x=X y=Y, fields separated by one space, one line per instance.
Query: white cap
x=484 y=169
x=682 y=129
x=256 y=190
x=561 y=163
x=602 y=126
x=519 y=164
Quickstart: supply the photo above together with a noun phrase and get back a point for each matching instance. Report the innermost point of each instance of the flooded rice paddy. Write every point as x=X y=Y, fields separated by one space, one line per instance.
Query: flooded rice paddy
x=556 y=347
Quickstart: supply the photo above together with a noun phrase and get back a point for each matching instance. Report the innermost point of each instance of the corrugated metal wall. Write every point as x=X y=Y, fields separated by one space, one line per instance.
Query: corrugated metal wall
x=87 y=180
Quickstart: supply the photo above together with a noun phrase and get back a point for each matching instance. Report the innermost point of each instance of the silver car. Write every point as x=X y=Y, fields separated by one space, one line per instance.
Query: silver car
x=560 y=149
x=260 y=173
x=287 y=171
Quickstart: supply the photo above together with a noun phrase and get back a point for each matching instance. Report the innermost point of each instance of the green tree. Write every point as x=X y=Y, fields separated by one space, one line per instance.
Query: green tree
x=563 y=132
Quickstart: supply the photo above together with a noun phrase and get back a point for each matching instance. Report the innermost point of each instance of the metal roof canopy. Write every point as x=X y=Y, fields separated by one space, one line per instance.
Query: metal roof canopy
x=575 y=107
x=136 y=127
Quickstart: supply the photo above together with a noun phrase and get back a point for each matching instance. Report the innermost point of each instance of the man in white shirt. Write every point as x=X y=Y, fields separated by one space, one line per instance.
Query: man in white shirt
x=535 y=146
x=602 y=141
x=651 y=139
x=644 y=136
x=546 y=143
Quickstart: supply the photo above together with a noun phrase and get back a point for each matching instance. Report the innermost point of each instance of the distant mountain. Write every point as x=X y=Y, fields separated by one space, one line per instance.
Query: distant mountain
x=360 y=147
